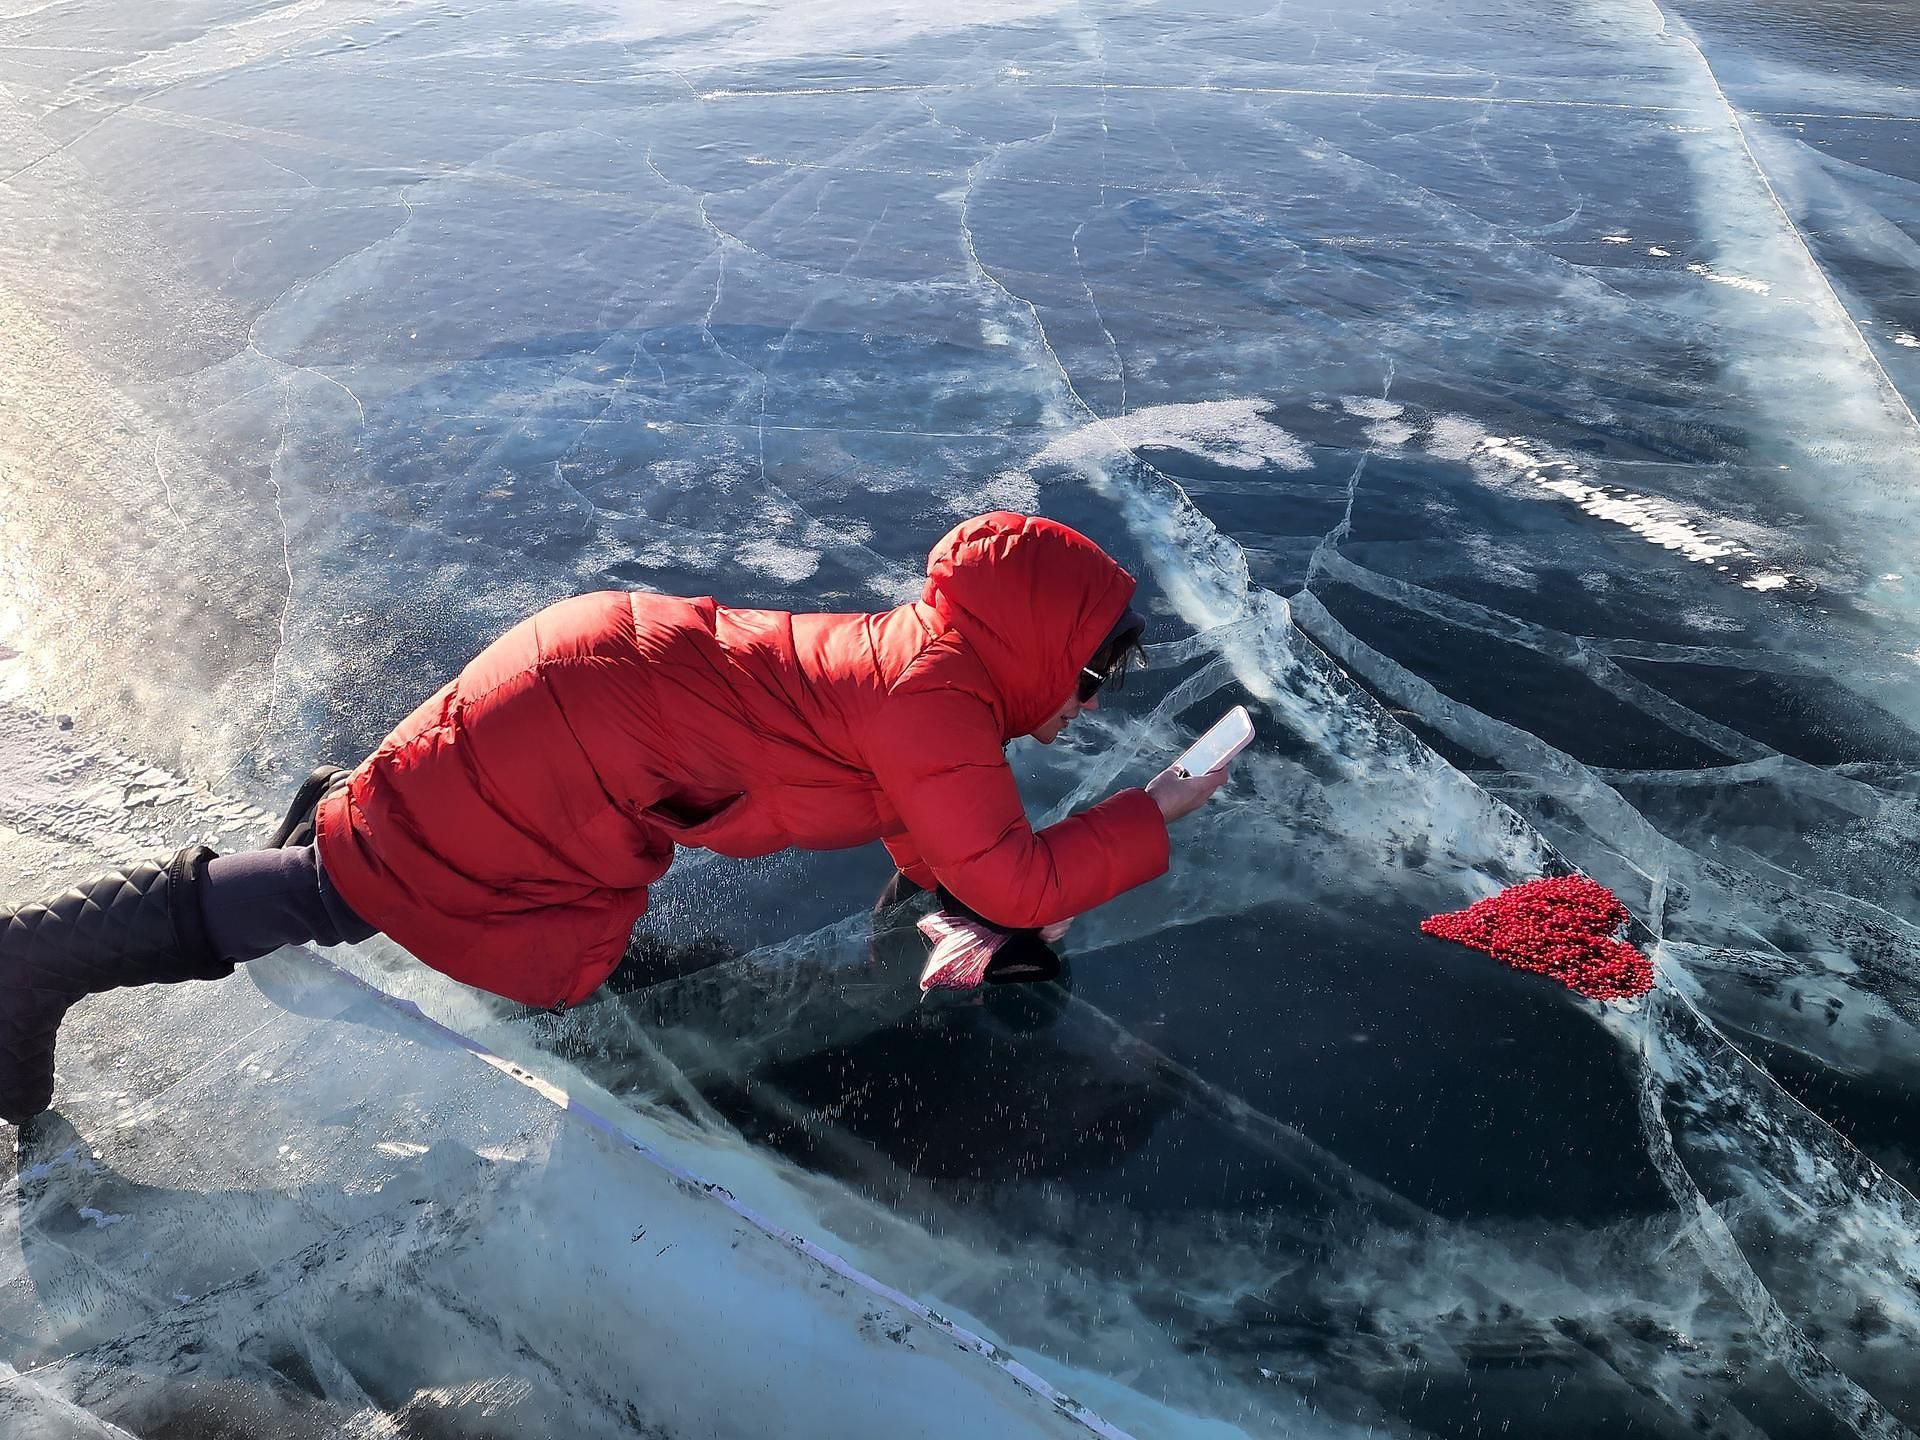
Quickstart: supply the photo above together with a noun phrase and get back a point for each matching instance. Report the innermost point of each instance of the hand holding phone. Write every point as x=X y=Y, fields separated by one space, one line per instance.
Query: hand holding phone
x=1226 y=738
x=1187 y=784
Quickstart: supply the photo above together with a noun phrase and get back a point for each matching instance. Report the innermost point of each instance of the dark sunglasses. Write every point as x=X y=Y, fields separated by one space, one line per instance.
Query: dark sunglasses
x=1096 y=677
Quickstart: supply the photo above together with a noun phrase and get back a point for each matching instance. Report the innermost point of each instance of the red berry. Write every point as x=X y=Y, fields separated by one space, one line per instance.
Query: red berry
x=1561 y=926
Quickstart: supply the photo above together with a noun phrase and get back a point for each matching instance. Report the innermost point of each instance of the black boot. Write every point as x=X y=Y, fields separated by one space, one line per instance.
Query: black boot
x=297 y=828
x=134 y=927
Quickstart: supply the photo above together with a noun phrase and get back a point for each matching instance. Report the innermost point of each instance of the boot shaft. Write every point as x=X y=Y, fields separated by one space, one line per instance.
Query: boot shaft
x=127 y=927
x=135 y=926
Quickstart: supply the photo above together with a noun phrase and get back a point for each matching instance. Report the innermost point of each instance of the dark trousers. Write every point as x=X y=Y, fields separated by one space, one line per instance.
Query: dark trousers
x=258 y=900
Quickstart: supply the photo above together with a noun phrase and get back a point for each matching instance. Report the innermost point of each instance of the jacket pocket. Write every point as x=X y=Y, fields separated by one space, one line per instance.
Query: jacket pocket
x=689 y=820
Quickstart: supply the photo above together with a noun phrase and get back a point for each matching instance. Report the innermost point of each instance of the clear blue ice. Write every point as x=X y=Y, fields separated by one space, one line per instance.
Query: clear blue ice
x=1512 y=403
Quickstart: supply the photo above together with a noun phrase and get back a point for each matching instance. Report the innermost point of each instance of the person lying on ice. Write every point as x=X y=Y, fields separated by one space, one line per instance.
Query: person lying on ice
x=507 y=831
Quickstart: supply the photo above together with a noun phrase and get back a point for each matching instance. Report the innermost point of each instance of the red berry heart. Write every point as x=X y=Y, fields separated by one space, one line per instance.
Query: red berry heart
x=1563 y=926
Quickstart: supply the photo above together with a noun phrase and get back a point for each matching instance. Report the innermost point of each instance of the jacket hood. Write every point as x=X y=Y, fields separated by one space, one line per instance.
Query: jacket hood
x=1033 y=599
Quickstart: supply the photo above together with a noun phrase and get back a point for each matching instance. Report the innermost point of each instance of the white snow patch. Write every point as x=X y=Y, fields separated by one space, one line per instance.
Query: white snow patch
x=1371 y=407
x=1233 y=433
x=1617 y=239
x=1453 y=437
x=1908 y=339
x=1700 y=618
x=779 y=560
x=1009 y=490
x=747 y=30
x=100 y=1219
x=1656 y=250
x=1389 y=434
x=59 y=786
x=1738 y=282
x=1767 y=582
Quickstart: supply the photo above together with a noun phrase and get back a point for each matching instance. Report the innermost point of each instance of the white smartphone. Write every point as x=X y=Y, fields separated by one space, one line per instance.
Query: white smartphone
x=1230 y=734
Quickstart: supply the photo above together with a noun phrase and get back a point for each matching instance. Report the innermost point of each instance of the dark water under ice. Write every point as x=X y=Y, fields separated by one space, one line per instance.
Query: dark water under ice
x=1511 y=403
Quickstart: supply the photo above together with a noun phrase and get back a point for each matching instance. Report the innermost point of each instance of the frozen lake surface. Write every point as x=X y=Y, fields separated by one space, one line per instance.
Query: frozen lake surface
x=1512 y=403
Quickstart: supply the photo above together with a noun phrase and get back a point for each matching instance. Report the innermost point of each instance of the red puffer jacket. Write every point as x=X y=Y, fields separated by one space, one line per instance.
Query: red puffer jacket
x=507 y=831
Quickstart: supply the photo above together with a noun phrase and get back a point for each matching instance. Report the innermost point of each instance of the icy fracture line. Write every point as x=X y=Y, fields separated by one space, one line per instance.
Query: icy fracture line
x=1888 y=388
x=1688 y=995
x=286 y=545
x=1063 y=1404
x=792 y=974
x=1213 y=601
x=1818 y=1377
x=791 y=520
x=1614 y=823
x=1329 y=543
x=85 y=1422
x=1579 y=652
x=303 y=286
x=160 y=474
x=1810 y=1368
x=1303 y=91
x=1079 y=265
x=1195 y=596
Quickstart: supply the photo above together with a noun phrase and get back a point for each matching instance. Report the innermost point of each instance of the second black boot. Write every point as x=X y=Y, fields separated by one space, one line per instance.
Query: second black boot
x=297 y=828
x=139 y=926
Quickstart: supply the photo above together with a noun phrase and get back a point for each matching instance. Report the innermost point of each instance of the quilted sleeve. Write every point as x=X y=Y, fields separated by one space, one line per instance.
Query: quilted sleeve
x=936 y=754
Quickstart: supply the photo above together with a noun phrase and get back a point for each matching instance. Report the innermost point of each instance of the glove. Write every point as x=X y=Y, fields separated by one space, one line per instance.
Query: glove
x=962 y=950
x=969 y=952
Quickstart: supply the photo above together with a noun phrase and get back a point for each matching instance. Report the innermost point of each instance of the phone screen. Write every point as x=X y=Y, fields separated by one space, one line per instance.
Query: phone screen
x=1226 y=739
